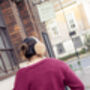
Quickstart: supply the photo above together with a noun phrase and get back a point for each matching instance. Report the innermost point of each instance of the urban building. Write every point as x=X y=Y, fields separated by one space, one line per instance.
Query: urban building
x=68 y=28
x=16 y=23
x=60 y=24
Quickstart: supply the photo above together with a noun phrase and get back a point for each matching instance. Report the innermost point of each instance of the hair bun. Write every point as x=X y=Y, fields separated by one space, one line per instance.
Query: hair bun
x=23 y=47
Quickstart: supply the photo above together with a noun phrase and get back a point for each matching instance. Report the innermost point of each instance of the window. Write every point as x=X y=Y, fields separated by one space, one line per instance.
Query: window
x=8 y=61
x=8 y=58
x=53 y=29
x=2 y=24
x=1 y=44
x=60 y=48
x=77 y=42
x=71 y=22
x=72 y=33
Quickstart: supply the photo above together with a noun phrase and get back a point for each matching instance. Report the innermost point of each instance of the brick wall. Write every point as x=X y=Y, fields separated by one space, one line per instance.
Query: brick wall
x=10 y=23
x=26 y=20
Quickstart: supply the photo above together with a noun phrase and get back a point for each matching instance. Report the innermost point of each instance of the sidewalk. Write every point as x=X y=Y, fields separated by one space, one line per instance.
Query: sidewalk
x=84 y=75
x=8 y=83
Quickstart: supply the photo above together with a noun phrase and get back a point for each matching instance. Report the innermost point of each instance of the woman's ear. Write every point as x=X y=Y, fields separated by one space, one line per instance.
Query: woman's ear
x=40 y=48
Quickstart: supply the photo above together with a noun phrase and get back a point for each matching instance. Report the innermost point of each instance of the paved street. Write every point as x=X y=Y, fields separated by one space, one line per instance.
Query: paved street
x=85 y=62
x=83 y=74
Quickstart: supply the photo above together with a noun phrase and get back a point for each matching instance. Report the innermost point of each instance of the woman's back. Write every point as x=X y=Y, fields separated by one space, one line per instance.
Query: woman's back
x=48 y=74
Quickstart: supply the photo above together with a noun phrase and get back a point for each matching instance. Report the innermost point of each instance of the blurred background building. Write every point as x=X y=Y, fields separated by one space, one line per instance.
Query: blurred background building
x=70 y=21
x=15 y=25
x=63 y=25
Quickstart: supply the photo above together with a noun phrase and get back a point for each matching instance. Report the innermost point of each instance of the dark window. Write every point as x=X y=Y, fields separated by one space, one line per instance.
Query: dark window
x=77 y=42
x=60 y=48
x=2 y=24
x=7 y=56
x=73 y=26
x=72 y=33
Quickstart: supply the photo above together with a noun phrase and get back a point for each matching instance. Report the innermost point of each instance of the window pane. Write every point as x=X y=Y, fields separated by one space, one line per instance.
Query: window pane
x=71 y=21
x=1 y=43
x=77 y=42
x=60 y=48
x=1 y=66
x=2 y=24
x=6 y=60
x=5 y=38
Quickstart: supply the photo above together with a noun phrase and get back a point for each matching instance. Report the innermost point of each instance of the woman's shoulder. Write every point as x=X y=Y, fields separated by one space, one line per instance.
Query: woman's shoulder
x=57 y=62
x=21 y=71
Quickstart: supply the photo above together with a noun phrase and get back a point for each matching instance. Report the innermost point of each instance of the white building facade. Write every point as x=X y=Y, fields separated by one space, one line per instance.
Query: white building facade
x=67 y=30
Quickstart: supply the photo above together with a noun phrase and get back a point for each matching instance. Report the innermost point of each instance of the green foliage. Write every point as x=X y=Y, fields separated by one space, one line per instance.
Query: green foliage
x=83 y=51
x=79 y=63
x=71 y=66
x=87 y=41
x=68 y=56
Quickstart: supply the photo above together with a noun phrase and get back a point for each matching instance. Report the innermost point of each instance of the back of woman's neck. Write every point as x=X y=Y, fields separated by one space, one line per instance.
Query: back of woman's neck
x=35 y=59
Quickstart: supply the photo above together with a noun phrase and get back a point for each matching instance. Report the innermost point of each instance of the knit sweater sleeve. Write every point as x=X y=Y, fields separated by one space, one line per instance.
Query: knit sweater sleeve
x=20 y=83
x=71 y=79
